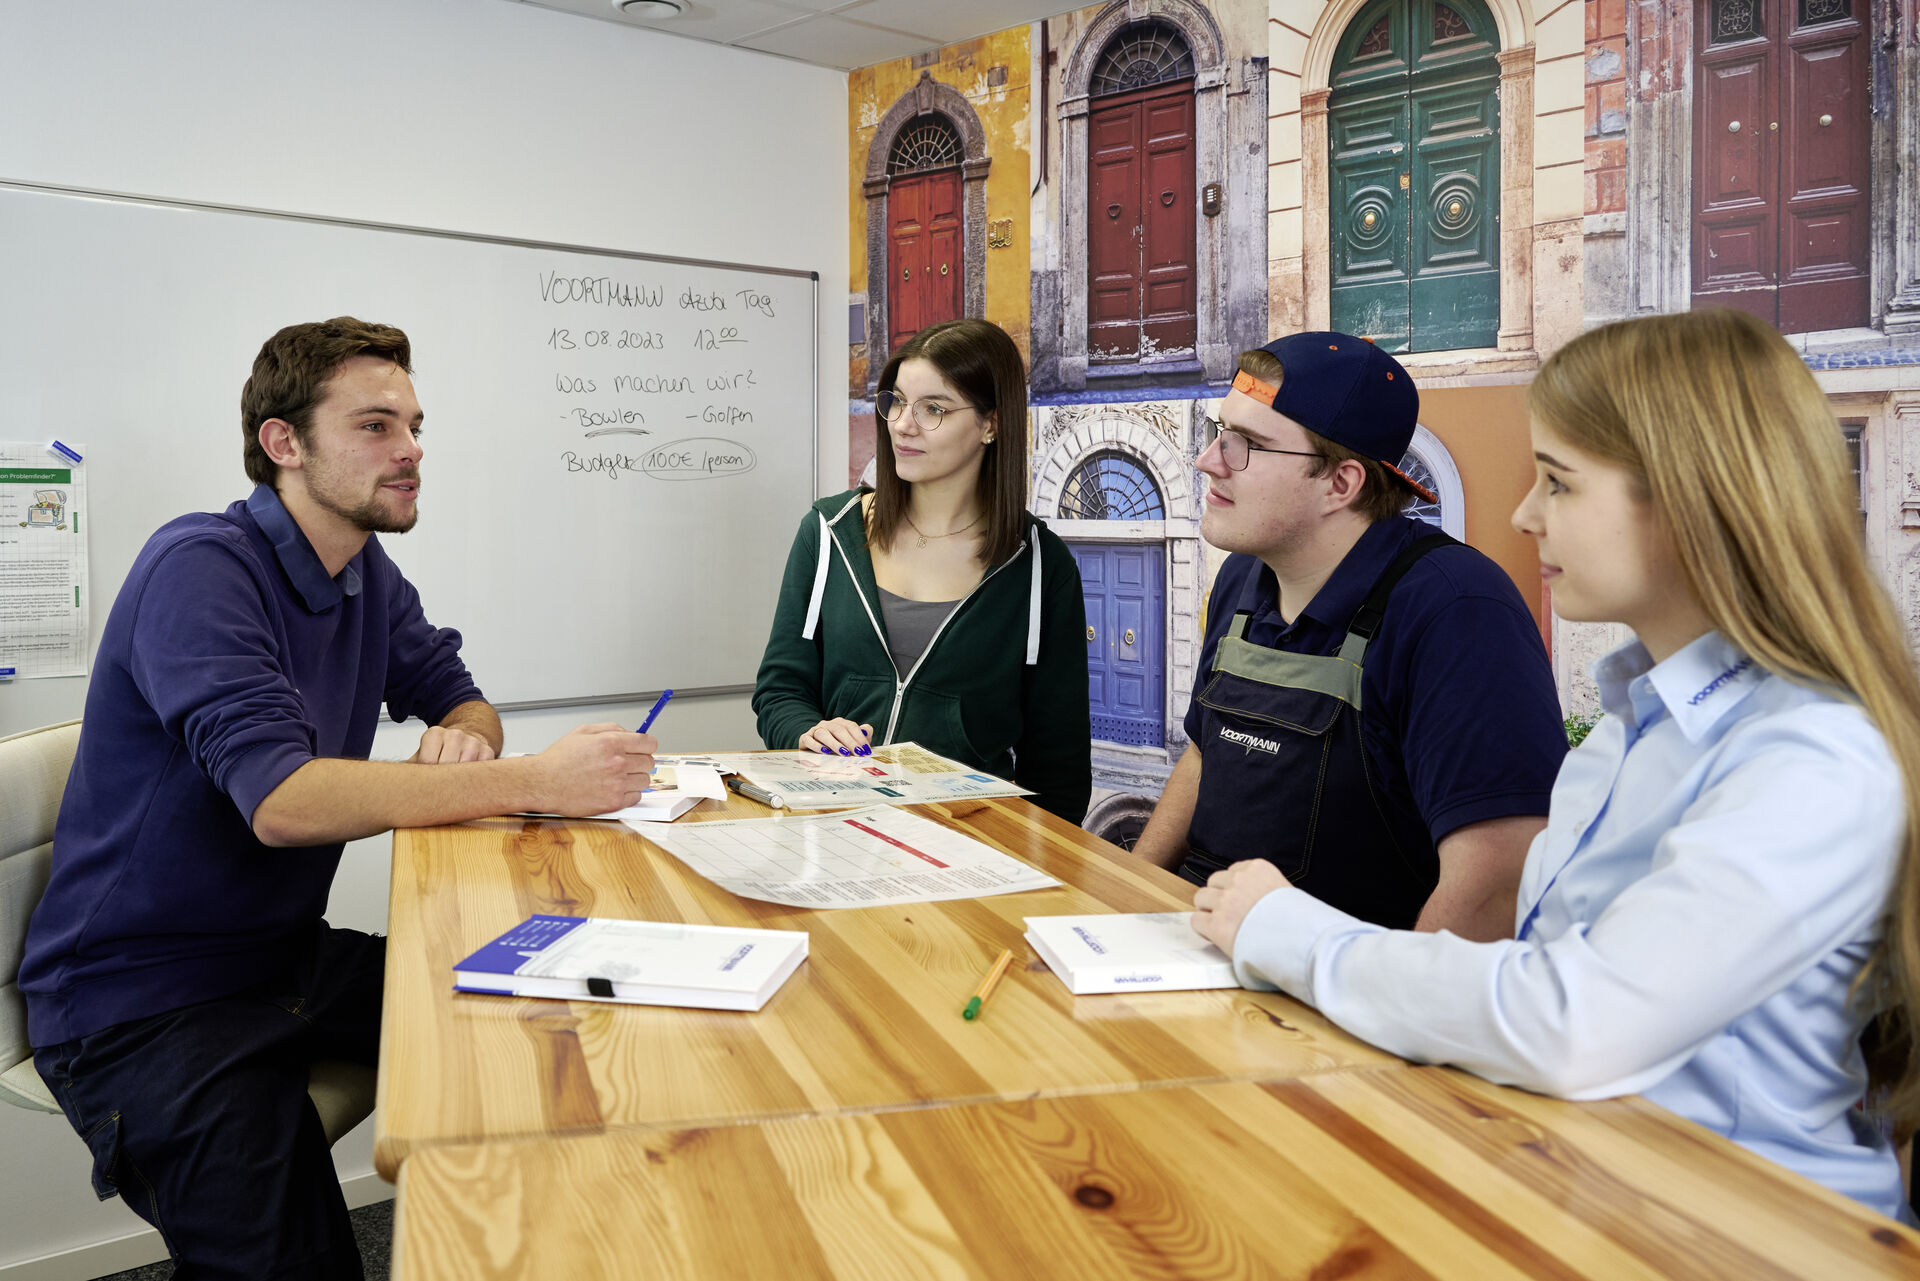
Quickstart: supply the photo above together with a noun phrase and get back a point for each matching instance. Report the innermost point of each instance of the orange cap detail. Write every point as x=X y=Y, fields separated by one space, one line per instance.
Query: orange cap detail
x=1247 y=385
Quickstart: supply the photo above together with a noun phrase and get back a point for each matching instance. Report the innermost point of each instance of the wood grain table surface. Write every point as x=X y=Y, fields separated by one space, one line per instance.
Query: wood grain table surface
x=1393 y=1172
x=871 y=1021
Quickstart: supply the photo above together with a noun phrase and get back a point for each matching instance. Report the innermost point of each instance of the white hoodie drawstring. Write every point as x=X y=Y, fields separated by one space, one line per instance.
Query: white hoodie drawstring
x=819 y=582
x=1033 y=599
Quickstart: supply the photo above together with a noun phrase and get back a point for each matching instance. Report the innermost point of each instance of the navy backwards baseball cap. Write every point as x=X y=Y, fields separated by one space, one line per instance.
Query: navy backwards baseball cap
x=1346 y=389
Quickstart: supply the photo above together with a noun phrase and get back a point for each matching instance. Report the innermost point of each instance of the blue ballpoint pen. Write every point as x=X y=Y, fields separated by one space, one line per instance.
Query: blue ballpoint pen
x=647 y=724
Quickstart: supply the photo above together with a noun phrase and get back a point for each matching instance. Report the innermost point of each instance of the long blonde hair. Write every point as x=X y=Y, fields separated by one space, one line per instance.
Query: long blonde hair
x=1744 y=464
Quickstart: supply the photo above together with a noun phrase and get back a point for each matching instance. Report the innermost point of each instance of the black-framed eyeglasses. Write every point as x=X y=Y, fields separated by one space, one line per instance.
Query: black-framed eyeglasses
x=1236 y=450
x=891 y=406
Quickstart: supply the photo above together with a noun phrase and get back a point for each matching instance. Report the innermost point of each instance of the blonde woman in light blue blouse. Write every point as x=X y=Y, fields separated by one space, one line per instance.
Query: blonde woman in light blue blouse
x=1728 y=888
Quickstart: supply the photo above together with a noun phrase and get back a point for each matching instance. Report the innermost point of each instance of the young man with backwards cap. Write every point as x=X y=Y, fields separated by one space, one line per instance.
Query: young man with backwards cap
x=1374 y=715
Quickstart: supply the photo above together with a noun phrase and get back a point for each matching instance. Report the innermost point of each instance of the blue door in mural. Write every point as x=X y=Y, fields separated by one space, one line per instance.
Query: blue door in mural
x=1125 y=586
x=1126 y=592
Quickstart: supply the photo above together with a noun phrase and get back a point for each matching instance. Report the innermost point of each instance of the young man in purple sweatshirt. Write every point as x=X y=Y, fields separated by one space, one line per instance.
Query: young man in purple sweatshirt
x=179 y=978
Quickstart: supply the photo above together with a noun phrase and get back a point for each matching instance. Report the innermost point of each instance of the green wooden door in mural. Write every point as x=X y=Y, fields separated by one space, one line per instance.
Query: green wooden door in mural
x=1413 y=135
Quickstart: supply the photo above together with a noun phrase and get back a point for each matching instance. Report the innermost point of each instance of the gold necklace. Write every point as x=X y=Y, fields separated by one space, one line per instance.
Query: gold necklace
x=949 y=534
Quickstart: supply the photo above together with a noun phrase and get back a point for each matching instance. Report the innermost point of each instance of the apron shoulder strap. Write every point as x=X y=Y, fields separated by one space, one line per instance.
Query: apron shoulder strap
x=1238 y=627
x=1366 y=619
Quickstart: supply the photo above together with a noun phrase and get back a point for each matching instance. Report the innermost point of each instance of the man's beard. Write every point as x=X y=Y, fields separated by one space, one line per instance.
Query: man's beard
x=367 y=516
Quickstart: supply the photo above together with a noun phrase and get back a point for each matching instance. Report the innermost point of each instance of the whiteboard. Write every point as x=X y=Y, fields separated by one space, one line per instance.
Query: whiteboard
x=618 y=446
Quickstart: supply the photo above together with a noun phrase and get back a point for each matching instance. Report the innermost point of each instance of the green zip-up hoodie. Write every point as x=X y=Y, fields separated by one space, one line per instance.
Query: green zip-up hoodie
x=1002 y=685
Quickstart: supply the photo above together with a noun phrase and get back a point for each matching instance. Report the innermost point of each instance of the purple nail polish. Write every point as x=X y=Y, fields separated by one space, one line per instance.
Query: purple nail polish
x=864 y=751
x=826 y=751
x=845 y=752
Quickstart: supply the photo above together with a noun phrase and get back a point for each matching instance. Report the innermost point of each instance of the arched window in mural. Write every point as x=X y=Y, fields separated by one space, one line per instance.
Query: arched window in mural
x=1417 y=507
x=1428 y=461
x=1111 y=486
x=930 y=142
x=925 y=206
x=1141 y=287
x=1141 y=57
x=1413 y=139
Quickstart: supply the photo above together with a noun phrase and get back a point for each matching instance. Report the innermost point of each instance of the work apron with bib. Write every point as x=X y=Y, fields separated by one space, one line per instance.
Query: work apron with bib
x=1285 y=774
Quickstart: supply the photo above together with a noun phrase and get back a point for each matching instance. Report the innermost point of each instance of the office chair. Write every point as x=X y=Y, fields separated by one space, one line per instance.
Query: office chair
x=33 y=776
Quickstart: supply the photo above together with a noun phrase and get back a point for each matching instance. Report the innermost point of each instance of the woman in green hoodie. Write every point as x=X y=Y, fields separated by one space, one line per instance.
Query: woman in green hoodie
x=934 y=608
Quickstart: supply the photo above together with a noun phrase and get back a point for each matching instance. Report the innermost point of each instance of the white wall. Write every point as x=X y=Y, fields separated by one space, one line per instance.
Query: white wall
x=472 y=115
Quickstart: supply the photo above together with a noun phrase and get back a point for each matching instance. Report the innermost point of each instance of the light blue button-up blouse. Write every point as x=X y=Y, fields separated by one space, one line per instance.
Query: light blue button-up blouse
x=1710 y=881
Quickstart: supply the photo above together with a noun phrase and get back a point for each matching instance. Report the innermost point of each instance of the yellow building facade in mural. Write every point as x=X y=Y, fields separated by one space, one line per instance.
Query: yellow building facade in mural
x=939 y=156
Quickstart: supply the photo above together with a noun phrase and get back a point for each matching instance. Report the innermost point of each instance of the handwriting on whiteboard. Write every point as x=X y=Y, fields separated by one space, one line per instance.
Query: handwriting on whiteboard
x=695 y=458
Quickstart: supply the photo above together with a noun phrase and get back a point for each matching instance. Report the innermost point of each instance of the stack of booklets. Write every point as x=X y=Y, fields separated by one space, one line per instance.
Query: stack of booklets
x=582 y=958
x=896 y=774
x=1122 y=953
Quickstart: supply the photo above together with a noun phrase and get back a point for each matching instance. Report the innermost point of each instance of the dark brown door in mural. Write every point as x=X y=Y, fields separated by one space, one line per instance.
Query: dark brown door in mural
x=1141 y=290
x=923 y=253
x=1781 y=161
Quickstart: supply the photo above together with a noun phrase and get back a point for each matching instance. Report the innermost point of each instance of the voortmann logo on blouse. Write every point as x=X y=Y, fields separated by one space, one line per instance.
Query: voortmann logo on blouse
x=1711 y=687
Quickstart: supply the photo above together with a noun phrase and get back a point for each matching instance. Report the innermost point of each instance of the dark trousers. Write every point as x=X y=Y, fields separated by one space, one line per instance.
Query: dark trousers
x=199 y=1117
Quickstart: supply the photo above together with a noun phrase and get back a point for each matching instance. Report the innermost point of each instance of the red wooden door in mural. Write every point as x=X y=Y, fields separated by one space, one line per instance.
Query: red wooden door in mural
x=923 y=253
x=1781 y=161
x=1140 y=234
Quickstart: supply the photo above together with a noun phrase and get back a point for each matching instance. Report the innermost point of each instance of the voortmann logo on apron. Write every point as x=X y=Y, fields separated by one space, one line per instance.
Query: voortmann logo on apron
x=1266 y=745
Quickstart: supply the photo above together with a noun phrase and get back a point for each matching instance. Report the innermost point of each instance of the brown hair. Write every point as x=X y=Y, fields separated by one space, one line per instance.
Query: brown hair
x=1738 y=452
x=1382 y=495
x=979 y=360
x=290 y=378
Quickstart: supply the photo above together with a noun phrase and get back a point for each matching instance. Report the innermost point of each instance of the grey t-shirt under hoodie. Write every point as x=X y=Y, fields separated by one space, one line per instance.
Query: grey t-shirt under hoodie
x=910 y=626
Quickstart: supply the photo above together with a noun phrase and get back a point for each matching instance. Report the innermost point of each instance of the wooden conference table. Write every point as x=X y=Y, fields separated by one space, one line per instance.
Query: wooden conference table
x=1369 y=1173
x=857 y=1126
x=870 y=1021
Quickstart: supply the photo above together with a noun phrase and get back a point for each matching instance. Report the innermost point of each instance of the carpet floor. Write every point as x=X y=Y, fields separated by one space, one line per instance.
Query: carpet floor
x=372 y=1228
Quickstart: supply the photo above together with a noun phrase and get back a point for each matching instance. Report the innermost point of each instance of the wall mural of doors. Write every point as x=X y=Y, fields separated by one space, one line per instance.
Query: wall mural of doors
x=1141 y=300
x=1780 y=161
x=1413 y=132
x=924 y=223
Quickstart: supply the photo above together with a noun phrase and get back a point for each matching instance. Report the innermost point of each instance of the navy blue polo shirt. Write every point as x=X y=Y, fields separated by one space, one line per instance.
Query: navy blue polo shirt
x=230 y=659
x=1460 y=719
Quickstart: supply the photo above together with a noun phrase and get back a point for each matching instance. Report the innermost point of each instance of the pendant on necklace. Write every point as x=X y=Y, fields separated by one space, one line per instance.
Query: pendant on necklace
x=923 y=540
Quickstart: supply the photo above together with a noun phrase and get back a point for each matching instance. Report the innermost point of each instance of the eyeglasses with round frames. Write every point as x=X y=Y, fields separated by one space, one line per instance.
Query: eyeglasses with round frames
x=1236 y=450
x=892 y=407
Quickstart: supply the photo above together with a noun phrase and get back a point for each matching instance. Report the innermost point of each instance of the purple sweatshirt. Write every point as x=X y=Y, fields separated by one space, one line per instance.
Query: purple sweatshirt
x=230 y=659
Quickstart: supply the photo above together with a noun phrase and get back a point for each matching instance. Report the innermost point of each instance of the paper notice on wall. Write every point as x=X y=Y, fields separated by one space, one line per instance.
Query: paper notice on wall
x=43 y=561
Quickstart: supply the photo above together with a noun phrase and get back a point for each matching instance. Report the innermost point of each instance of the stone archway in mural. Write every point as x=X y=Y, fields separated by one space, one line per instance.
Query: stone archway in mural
x=1210 y=127
x=927 y=96
x=1153 y=436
